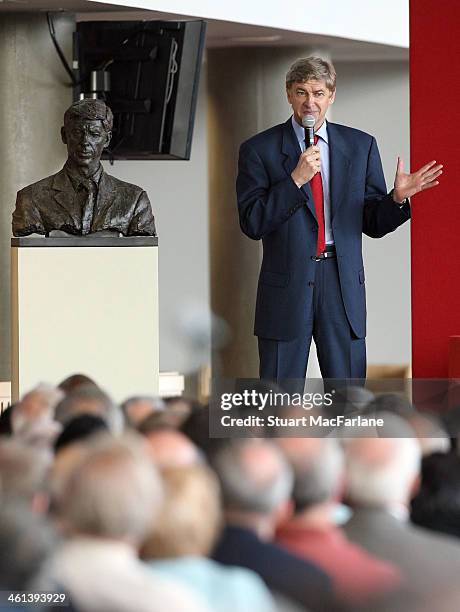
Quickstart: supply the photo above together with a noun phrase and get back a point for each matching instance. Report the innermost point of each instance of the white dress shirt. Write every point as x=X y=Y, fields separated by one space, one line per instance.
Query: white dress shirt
x=323 y=144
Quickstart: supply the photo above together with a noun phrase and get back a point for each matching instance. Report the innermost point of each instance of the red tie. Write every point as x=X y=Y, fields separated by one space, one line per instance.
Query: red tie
x=316 y=185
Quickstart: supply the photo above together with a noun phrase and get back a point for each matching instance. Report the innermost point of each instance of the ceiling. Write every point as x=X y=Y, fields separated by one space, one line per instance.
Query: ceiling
x=221 y=33
x=11 y=6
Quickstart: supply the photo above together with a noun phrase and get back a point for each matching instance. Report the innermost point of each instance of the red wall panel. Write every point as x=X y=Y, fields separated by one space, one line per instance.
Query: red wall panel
x=435 y=134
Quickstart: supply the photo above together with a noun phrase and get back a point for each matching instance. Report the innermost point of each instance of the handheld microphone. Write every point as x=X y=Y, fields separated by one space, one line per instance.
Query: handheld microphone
x=308 y=123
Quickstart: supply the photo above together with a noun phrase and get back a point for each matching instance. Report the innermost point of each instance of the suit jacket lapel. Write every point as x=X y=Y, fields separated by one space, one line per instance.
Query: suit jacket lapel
x=291 y=151
x=340 y=166
x=65 y=196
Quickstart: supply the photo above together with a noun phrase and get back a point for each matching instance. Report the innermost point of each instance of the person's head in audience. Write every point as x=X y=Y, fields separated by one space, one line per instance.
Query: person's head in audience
x=196 y=427
x=383 y=472
x=137 y=408
x=90 y=400
x=80 y=428
x=33 y=417
x=114 y=491
x=390 y=402
x=174 y=413
x=171 y=448
x=75 y=382
x=26 y=544
x=65 y=461
x=318 y=468
x=182 y=407
x=191 y=517
x=351 y=399
x=437 y=503
x=158 y=420
x=23 y=475
x=430 y=433
x=256 y=483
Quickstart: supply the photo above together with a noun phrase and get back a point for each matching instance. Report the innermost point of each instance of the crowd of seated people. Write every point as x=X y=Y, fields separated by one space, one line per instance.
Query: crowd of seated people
x=135 y=507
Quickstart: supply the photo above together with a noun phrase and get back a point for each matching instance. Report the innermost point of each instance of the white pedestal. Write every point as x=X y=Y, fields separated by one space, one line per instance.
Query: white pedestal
x=87 y=305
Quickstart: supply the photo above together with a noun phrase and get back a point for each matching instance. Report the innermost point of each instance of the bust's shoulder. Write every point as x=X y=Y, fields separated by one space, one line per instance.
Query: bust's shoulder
x=42 y=184
x=117 y=184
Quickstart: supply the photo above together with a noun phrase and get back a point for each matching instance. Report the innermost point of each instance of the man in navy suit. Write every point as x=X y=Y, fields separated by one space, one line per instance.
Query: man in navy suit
x=310 y=206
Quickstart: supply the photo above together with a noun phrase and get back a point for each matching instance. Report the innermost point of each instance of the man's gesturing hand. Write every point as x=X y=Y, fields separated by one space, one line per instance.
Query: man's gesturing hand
x=308 y=165
x=407 y=185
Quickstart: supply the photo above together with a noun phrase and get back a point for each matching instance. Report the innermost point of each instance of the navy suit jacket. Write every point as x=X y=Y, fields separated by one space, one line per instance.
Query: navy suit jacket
x=282 y=572
x=272 y=208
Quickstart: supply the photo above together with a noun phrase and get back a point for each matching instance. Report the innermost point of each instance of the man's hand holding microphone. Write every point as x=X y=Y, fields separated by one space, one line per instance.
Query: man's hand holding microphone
x=309 y=161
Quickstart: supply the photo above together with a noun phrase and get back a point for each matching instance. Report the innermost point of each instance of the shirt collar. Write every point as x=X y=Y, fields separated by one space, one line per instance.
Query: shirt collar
x=300 y=132
x=77 y=178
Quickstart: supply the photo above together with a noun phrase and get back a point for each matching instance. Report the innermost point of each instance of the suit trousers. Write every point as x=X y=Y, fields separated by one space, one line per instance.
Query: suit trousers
x=341 y=354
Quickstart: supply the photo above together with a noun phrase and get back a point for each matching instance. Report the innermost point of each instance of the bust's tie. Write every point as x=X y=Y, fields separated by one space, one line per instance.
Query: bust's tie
x=88 y=189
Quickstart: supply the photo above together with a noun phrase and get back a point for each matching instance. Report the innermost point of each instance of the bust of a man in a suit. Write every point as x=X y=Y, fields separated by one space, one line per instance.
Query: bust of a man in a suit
x=81 y=198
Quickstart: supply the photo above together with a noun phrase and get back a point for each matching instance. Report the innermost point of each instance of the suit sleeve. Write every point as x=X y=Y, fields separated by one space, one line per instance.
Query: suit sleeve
x=26 y=216
x=262 y=205
x=143 y=222
x=381 y=214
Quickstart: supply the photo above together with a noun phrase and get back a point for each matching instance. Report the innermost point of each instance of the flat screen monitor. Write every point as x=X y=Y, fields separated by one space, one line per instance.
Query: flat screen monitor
x=148 y=73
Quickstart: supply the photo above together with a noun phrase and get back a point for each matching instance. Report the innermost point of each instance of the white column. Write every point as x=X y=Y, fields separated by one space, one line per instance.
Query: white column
x=34 y=94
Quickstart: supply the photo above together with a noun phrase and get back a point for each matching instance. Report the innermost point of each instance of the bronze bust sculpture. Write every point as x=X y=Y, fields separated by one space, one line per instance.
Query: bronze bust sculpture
x=81 y=198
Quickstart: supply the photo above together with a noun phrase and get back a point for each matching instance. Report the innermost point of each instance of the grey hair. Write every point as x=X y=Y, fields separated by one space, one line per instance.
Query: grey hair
x=387 y=474
x=312 y=69
x=114 y=491
x=27 y=542
x=23 y=471
x=317 y=475
x=242 y=488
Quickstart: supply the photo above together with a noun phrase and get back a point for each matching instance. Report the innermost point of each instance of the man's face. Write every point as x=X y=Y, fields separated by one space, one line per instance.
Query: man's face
x=85 y=140
x=310 y=98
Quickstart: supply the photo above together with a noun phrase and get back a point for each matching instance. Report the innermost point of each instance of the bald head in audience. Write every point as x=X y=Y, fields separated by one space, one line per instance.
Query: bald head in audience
x=171 y=448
